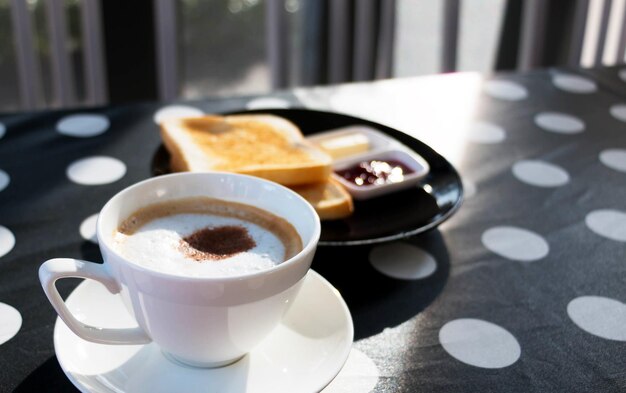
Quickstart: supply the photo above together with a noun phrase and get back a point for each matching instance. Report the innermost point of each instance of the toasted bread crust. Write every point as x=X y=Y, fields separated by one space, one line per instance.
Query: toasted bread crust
x=177 y=162
x=330 y=200
x=311 y=178
x=293 y=162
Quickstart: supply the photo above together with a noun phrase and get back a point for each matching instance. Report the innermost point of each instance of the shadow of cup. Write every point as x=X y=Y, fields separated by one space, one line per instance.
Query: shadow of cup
x=377 y=301
x=48 y=377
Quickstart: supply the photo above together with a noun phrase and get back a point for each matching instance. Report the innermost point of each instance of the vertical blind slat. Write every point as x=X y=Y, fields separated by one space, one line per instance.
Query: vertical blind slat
x=28 y=71
x=384 y=65
x=534 y=13
x=313 y=61
x=93 y=50
x=62 y=81
x=166 y=49
x=339 y=35
x=604 y=25
x=276 y=42
x=611 y=46
x=579 y=25
x=621 y=48
x=364 y=40
x=450 y=32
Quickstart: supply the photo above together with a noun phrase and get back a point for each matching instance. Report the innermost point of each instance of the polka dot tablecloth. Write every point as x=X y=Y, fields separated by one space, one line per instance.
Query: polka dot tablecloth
x=523 y=290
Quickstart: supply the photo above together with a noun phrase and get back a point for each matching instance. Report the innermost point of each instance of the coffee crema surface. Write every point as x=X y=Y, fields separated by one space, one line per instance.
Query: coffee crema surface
x=206 y=237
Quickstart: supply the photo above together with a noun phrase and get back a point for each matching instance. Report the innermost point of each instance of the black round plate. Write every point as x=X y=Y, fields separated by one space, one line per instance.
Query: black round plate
x=390 y=217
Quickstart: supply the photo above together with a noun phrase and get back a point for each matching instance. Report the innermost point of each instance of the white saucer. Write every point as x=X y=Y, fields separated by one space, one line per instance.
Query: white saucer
x=303 y=354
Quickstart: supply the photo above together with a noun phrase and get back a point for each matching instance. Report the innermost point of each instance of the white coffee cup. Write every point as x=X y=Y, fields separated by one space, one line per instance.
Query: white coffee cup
x=204 y=322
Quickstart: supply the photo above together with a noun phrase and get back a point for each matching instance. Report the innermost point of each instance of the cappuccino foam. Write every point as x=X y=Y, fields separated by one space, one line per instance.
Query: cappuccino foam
x=204 y=237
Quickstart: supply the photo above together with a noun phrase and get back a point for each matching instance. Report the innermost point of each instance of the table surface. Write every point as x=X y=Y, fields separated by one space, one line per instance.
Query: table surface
x=522 y=290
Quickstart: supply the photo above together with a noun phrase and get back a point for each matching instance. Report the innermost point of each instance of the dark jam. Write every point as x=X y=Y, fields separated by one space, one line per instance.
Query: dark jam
x=375 y=172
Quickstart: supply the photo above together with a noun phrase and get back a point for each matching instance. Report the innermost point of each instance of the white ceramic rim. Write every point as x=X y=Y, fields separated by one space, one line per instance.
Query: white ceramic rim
x=308 y=248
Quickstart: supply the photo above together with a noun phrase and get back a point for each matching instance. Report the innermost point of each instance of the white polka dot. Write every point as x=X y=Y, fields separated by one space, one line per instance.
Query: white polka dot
x=402 y=261
x=614 y=159
x=5 y=179
x=483 y=132
x=608 y=223
x=176 y=112
x=359 y=374
x=505 y=90
x=622 y=74
x=7 y=241
x=96 y=170
x=88 y=228
x=267 y=102
x=540 y=173
x=559 y=122
x=469 y=189
x=515 y=243
x=600 y=316
x=618 y=111
x=83 y=125
x=10 y=322
x=479 y=343
x=2 y=130
x=574 y=83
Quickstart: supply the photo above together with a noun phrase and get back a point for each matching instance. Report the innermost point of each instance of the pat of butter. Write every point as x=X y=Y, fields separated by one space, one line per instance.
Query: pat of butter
x=345 y=145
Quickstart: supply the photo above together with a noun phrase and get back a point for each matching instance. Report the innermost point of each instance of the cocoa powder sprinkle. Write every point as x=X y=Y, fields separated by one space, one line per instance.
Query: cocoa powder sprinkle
x=216 y=243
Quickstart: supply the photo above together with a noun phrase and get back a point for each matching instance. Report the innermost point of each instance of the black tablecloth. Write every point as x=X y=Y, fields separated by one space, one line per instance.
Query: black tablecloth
x=522 y=290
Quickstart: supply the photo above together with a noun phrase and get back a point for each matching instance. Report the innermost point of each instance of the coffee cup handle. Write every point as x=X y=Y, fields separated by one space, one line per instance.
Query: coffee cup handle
x=55 y=269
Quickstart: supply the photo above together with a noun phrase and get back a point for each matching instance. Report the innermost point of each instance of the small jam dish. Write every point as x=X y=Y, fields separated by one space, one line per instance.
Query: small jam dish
x=371 y=175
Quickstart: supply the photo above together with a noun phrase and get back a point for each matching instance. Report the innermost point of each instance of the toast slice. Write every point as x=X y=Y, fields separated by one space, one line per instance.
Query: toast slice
x=260 y=145
x=330 y=200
